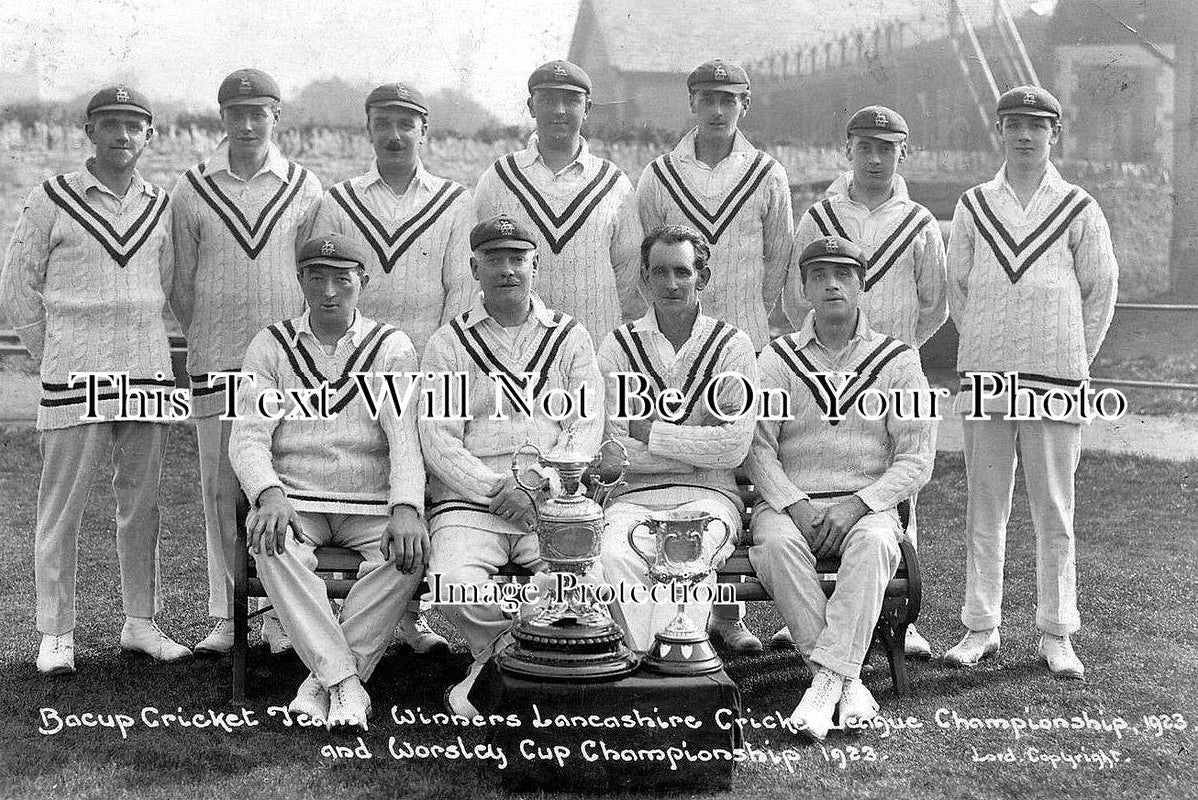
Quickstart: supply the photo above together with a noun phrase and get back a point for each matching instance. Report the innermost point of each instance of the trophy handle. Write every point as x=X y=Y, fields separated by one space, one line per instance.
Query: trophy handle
x=528 y=489
x=727 y=535
x=603 y=489
x=632 y=543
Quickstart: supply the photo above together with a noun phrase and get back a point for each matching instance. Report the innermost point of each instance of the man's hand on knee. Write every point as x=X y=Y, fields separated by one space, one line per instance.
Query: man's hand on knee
x=834 y=524
x=406 y=537
x=803 y=515
x=266 y=525
x=510 y=502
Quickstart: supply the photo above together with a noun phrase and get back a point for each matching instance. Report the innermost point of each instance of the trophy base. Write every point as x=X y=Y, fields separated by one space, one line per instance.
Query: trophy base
x=567 y=651
x=688 y=654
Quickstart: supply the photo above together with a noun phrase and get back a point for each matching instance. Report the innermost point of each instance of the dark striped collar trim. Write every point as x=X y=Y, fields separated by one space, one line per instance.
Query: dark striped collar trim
x=391 y=244
x=120 y=246
x=251 y=236
x=711 y=223
x=557 y=228
x=893 y=246
x=1016 y=257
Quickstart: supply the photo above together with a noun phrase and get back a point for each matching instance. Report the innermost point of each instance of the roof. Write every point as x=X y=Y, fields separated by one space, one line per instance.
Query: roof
x=676 y=36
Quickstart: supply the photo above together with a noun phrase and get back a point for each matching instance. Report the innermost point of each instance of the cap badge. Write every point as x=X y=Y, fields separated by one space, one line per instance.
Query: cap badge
x=1029 y=98
x=328 y=248
x=505 y=226
x=122 y=94
x=831 y=246
x=401 y=93
x=560 y=72
x=881 y=120
x=246 y=86
x=719 y=73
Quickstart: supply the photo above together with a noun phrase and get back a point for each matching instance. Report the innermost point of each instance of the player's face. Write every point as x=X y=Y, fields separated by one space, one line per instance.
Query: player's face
x=833 y=289
x=671 y=280
x=874 y=161
x=718 y=113
x=1027 y=140
x=332 y=293
x=505 y=274
x=397 y=134
x=559 y=113
x=249 y=127
x=119 y=138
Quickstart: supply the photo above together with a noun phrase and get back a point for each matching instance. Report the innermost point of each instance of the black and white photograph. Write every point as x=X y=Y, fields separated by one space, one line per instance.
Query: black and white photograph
x=574 y=398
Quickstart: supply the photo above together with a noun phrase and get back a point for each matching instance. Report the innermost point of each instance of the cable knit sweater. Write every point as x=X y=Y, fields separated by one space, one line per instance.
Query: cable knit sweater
x=589 y=236
x=905 y=283
x=701 y=450
x=806 y=456
x=742 y=206
x=466 y=459
x=349 y=463
x=235 y=248
x=1031 y=290
x=84 y=284
x=419 y=243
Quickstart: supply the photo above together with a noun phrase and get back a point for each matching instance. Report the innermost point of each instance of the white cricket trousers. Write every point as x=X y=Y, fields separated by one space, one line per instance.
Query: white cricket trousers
x=1050 y=451
x=335 y=649
x=219 y=491
x=70 y=458
x=833 y=632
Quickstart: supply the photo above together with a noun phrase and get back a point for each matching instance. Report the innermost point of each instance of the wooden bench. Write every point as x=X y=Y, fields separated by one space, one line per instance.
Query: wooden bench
x=900 y=606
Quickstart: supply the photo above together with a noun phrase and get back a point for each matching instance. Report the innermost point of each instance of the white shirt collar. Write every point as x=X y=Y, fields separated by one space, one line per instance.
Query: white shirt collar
x=1052 y=180
x=685 y=149
x=540 y=312
x=88 y=180
x=422 y=178
x=276 y=162
x=844 y=182
x=532 y=154
x=357 y=328
x=806 y=334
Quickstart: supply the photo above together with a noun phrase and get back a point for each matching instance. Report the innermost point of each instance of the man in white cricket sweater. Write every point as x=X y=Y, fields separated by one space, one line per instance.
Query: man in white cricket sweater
x=831 y=477
x=343 y=475
x=478 y=517
x=415 y=225
x=682 y=465
x=580 y=206
x=739 y=199
x=905 y=283
x=84 y=283
x=238 y=220
x=1032 y=282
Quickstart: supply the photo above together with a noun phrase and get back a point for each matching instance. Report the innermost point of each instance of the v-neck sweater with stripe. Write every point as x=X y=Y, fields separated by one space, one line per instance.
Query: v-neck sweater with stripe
x=348 y=463
x=585 y=221
x=419 y=245
x=808 y=457
x=235 y=248
x=905 y=283
x=742 y=206
x=701 y=450
x=1031 y=290
x=84 y=283
x=466 y=459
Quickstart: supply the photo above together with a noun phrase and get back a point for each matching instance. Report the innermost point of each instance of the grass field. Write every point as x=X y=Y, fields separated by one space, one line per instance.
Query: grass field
x=1137 y=573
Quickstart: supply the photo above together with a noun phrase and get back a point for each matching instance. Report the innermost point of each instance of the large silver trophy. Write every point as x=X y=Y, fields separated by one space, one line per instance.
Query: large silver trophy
x=569 y=637
x=682 y=648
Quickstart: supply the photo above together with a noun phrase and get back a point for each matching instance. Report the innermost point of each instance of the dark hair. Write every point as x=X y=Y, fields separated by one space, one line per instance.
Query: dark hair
x=676 y=234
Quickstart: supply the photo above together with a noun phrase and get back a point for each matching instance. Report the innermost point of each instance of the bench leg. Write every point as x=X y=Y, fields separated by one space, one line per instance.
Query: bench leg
x=891 y=633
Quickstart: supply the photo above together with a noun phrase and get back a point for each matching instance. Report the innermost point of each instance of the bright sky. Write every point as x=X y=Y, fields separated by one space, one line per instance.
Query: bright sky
x=181 y=49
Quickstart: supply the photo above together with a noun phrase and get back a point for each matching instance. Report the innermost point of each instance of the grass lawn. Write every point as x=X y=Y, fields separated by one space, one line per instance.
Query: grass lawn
x=1137 y=580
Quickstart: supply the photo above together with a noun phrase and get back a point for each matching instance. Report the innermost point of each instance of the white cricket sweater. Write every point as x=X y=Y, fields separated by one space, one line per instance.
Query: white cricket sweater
x=742 y=206
x=466 y=459
x=235 y=248
x=1031 y=290
x=806 y=456
x=419 y=243
x=905 y=283
x=84 y=283
x=348 y=463
x=589 y=238
x=701 y=450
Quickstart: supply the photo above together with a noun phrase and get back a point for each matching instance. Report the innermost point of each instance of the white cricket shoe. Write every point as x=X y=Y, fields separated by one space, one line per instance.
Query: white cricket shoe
x=813 y=715
x=1057 y=652
x=56 y=654
x=219 y=641
x=973 y=647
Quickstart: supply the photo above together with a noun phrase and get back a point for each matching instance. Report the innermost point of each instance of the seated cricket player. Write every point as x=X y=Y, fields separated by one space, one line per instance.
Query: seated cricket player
x=680 y=465
x=905 y=281
x=1032 y=287
x=84 y=284
x=831 y=479
x=479 y=518
x=339 y=478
